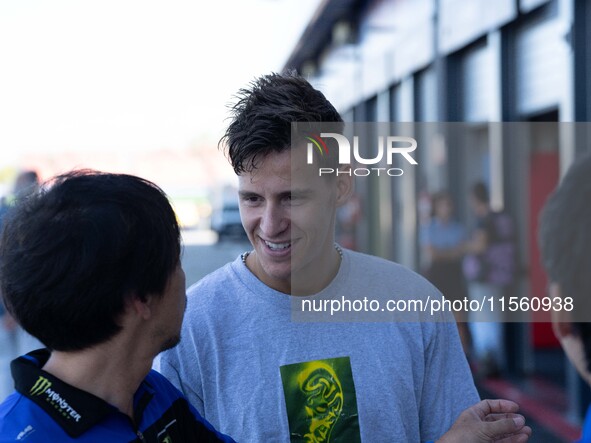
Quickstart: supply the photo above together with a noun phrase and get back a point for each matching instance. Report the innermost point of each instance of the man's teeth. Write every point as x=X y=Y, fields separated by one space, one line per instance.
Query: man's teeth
x=277 y=246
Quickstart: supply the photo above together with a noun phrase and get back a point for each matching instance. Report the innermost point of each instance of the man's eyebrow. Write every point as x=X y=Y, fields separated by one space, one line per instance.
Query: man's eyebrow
x=292 y=193
x=247 y=194
x=300 y=192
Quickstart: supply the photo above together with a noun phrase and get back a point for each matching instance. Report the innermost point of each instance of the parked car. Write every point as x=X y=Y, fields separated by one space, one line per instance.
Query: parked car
x=226 y=222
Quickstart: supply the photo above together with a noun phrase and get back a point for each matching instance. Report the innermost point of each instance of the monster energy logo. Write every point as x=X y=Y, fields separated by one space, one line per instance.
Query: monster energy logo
x=43 y=386
x=40 y=386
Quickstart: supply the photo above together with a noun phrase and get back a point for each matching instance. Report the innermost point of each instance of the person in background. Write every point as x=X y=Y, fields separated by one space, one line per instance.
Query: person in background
x=91 y=267
x=14 y=341
x=489 y=266
x=564 y=238
x=442 y=239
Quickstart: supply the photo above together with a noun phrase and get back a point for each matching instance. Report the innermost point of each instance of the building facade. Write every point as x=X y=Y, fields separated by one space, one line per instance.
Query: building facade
x=516 y=74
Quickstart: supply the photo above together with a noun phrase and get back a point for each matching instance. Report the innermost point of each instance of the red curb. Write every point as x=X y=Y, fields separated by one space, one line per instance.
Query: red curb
x=550 y=419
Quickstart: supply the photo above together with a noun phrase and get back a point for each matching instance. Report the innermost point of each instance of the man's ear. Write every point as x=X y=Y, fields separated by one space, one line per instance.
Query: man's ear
x=141 y=308
x=345 y=184
x=561 y=320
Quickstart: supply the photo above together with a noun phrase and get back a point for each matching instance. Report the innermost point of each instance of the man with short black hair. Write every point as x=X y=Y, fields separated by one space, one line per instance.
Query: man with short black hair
x=91 y=267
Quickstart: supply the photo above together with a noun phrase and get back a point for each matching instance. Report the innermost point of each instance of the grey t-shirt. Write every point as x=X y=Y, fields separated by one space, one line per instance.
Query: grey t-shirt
x=257 y=376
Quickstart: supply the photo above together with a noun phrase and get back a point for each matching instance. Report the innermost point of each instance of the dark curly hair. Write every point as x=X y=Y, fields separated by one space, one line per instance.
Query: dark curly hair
x=261 y=118
x=71 y=254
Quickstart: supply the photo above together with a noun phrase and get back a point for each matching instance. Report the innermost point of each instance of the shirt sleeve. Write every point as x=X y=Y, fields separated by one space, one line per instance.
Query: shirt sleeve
x=448 y=387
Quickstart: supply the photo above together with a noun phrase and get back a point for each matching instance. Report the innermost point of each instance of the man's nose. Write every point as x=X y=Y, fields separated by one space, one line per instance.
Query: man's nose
x=274 y=220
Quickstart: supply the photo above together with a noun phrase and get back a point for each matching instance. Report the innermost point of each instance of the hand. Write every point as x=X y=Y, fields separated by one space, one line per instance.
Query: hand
x=489 y=421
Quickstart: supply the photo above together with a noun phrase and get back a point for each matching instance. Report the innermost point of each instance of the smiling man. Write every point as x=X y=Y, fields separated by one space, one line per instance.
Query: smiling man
x=289 y=214
x=259 y=376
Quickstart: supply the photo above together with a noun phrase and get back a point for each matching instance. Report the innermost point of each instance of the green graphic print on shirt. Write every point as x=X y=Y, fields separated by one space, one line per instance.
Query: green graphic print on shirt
x=321 y=401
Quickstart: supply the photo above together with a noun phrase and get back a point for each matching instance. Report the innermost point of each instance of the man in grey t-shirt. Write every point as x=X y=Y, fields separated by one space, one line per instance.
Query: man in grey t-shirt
x=259 y=376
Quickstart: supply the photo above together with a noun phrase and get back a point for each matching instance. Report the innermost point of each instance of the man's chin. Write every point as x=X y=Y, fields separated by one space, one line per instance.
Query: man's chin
x=170 y=343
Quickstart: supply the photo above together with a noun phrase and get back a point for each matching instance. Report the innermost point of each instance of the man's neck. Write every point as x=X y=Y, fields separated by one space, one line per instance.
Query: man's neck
x=305 y=282
x=107 y=371
x=312 y=281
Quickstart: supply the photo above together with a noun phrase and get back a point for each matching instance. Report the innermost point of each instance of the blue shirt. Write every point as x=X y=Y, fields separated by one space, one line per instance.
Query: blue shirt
x=586 y=434
x=45 y=409
x=442 y=235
